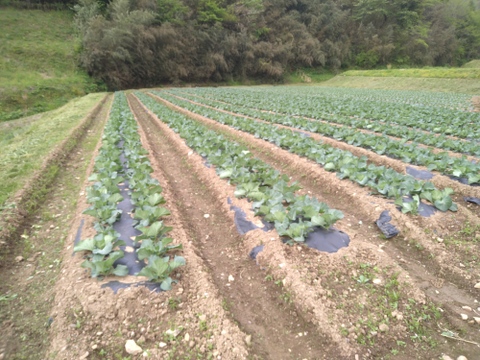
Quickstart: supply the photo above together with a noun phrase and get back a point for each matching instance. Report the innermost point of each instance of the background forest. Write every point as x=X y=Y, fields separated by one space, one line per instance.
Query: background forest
x=139 y=43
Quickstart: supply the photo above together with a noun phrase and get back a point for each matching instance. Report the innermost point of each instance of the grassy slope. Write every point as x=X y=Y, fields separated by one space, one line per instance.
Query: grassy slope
x=435 y=72
x=26 y=142
x=37 y=62
x=375 y=79
x=472 y=64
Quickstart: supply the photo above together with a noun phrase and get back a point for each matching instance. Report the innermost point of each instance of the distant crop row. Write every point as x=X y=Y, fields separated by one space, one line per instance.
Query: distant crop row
x=429 y=118
x=341 y=132
x=103 y=250
x=413 y=98
x=384 y=181
x=381 y=144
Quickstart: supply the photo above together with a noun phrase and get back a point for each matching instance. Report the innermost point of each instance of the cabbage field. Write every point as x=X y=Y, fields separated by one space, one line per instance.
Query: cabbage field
x=284 y=222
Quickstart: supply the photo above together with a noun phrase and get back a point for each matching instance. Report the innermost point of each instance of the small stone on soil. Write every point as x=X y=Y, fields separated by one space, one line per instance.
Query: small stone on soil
x=383 y=327
x=464 y=316
x=132 y=348
x=19 y=259
x=173 y=333
x=248 y=339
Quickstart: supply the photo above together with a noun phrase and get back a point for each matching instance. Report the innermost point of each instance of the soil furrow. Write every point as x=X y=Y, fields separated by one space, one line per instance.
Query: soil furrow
x=262 y=309
x=103 y=319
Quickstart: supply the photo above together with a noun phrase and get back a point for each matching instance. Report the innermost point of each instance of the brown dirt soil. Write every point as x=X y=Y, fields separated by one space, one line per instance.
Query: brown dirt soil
x=476 y=103
x=91 y=321
x=445 y=264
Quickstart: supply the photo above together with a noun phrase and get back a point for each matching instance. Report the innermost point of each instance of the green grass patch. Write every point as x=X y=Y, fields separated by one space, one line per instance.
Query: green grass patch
x=430 y=72
x=38 y=68
x=463 y=86
x=474 y=64
x=27 y=305
x=24 y=147
x=306 y=76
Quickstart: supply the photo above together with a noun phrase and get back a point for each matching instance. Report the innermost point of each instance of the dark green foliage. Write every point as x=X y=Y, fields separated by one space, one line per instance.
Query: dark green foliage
x=134 y=43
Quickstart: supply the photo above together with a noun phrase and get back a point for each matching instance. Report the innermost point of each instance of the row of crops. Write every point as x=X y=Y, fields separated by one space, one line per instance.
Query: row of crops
x=123 y=161
x=272 y=196
x=415 y=98
x=355 y=112
x=442 y=162
x=380 y=179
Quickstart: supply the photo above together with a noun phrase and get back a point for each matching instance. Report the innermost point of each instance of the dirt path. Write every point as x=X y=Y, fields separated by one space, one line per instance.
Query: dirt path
x=260 y=307
x=29 y=197
x=476 y=103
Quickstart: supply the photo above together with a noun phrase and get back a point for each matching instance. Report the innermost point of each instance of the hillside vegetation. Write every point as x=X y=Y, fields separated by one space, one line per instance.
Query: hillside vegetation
x=144 y=43
x=38 y=67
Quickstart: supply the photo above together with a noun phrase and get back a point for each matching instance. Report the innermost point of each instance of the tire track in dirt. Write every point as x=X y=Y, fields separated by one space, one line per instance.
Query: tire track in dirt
x=442 y=266
x=260 y=307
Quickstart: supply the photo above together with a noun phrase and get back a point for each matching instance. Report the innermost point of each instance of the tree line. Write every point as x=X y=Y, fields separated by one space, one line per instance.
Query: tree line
x=135 y=43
